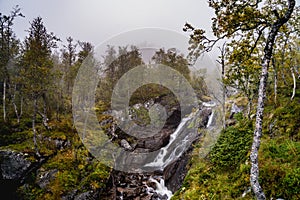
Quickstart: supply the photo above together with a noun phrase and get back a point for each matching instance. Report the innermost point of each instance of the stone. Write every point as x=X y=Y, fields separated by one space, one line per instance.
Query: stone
x=13 y=165
x=204 y=117
x=86 y=195
x=70 y=195
x=126 y=145
x=44 y=178
x=234 y=110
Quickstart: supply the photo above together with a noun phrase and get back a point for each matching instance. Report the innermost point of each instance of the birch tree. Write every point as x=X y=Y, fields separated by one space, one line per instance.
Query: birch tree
x=7 y=43
x=237 y=20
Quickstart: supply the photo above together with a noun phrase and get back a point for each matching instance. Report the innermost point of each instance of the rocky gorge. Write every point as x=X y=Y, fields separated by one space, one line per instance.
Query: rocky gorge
x=159 y=180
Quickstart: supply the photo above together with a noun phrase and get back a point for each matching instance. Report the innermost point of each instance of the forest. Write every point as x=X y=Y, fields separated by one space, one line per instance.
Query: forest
x=242 y=144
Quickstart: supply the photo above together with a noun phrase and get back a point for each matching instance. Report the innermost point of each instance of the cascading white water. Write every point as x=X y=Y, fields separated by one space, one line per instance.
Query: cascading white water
x=121 y=196
x=210 y=119
x=209 y=104
x=161 y=188
x=165 y=154
x=159 y=160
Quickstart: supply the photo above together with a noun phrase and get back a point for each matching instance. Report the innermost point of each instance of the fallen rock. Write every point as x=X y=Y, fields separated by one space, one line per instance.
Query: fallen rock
x=44 y=178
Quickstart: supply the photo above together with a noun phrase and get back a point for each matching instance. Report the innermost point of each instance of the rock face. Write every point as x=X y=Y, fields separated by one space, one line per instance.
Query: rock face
x=13 y=165
x=175 y=173
x=204 y=117
x=13 y=169
x=160 y=139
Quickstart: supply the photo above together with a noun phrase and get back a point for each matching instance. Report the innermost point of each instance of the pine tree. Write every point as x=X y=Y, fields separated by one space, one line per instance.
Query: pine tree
x=36 y=70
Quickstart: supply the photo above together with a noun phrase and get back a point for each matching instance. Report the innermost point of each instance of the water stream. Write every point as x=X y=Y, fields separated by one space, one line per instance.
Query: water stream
x=152 y=183
x=161 y=188
x=210 y=119
x=162 y=158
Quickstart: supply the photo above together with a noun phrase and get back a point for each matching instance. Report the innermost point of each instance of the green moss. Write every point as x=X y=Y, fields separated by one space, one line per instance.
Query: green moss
x=97 y=176
x=30 y=192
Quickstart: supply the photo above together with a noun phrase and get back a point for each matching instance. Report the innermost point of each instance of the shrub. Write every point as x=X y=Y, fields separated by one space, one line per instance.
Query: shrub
x=233 y=145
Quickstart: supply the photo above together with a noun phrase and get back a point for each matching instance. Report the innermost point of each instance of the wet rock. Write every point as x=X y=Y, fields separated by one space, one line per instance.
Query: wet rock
x=156 y=196
x=161 y=139
x=204 y=117
x=147 y=197
x=175 y=173
x=155 y=142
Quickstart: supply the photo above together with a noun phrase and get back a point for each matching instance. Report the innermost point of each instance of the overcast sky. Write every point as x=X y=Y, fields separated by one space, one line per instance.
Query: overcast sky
x=97 y=20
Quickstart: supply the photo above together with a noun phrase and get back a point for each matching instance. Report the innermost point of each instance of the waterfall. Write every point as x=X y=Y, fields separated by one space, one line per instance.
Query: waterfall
x=161 y=188
x=159 y=160
x=209 y=104
x=210 y=119
x=152 y=185
x=121 y=196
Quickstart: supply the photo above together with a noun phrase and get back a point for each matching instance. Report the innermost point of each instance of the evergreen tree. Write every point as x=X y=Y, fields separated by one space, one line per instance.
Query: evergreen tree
x=36 y=71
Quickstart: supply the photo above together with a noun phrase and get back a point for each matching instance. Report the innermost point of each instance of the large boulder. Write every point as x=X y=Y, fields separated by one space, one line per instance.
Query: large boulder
x=13 y=165
x=13 y=169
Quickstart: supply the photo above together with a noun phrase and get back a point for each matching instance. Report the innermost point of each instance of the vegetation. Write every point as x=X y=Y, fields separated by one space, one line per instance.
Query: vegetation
x=260 y=60
x=252 y=27
x=224 y=173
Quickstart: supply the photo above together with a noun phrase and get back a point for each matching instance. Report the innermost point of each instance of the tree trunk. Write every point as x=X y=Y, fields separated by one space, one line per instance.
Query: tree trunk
x=275 y=81
x=21 y=109
x=18 y=115
x=275 y=87
x=44 y=114
x=254 y=174
x=33 y=127
x=222 y=63
x=4 y=100
x=249 y=107
x=294 y=82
